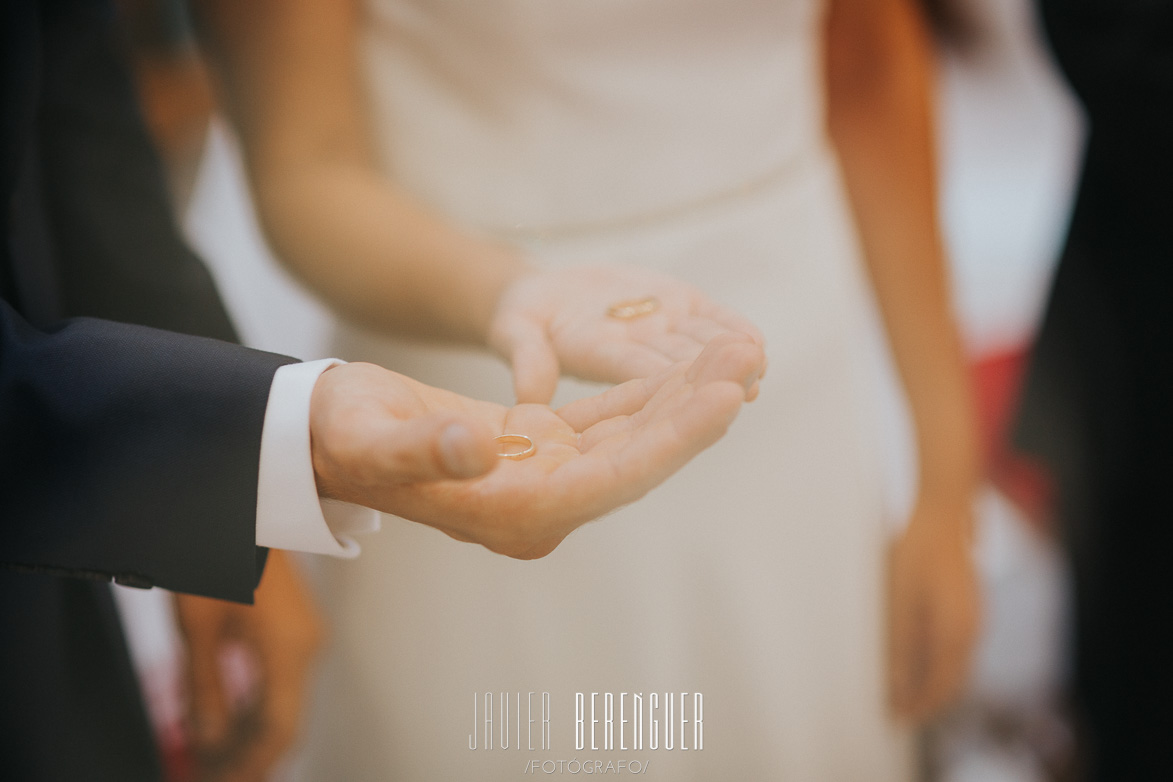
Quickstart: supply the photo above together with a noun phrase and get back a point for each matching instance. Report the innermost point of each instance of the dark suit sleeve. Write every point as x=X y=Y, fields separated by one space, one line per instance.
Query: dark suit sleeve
x=131 y=453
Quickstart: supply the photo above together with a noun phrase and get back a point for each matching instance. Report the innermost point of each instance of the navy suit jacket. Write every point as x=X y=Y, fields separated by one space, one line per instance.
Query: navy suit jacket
x=129 y=424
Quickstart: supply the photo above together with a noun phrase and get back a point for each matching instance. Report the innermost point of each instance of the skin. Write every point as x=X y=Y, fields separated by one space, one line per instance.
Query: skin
x=281 y=634
x=428 y=455
x=289 y=78
x=879 y=114
x=377 y=438
x=547 y=323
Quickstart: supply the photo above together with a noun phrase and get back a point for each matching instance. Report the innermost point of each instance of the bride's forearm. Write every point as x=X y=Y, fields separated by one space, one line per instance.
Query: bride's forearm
x=289 y=77
x=379 y=258
x=880 y=118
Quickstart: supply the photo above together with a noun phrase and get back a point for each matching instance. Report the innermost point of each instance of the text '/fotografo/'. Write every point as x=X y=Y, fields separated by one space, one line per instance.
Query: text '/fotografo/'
x=576 y=766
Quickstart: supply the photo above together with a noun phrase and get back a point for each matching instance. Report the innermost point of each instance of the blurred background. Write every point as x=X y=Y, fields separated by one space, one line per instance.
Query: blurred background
x=1010 y=137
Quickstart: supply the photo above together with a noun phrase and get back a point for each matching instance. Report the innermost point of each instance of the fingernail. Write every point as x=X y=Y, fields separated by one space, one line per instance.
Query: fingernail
x=458 y=451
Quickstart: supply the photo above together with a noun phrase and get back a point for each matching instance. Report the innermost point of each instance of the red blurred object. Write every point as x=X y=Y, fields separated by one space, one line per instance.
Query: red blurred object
x=997 y=381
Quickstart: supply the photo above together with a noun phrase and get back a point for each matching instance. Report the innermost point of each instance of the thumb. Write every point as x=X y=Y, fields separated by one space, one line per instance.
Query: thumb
x=535 y=366
x=438 y=446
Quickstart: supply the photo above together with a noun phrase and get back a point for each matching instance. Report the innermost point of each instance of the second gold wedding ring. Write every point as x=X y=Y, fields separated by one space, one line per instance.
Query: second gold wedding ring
x=633 y=308
x=505 y=440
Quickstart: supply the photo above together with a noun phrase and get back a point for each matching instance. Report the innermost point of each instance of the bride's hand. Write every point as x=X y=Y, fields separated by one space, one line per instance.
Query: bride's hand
x=933 y=609
x=388 y=442
x=551 y=322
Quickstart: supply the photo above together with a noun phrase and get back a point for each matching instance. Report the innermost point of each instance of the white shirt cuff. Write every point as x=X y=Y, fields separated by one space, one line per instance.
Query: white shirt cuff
x=290 y=515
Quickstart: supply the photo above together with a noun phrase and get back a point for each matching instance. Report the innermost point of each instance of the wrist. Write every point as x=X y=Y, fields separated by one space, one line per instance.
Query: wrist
x=322 y=458
x=944 y=511
x=949 y=459
x=952 y=487
x=946 y=486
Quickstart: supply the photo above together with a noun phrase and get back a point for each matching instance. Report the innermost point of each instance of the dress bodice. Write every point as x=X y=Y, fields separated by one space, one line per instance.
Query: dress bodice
x=539 y=116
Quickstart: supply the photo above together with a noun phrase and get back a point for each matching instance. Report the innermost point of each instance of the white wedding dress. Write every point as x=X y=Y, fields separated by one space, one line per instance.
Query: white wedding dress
x=685 y=136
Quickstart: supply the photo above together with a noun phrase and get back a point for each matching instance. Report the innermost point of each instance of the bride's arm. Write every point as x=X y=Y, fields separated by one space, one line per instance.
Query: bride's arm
x=879 y=83
x=288 y=75
x=290 y=79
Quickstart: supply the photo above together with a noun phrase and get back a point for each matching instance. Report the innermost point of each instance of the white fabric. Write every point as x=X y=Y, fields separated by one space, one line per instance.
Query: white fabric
x=684 y=136
x=290 y=515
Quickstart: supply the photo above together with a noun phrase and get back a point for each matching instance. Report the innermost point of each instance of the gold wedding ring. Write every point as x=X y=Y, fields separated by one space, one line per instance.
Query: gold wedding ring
x=515 y=439
x=633 y=308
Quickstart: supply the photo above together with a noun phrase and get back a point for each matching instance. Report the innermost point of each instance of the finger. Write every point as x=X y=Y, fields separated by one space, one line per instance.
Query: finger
x=616 y=473
x=660 y=447
x=286 y=633
x=731 y=356
x=947 y=680
x=258 y=758
x=208 y=707
x=706 y=308
x=604 y=432
x=535 y=365
x=435 y=446
x=675 y=347
x=276 y=720
x=622 y=400
x=901 y=646
x=703 y=330
x=620 y=360
x=952 y=643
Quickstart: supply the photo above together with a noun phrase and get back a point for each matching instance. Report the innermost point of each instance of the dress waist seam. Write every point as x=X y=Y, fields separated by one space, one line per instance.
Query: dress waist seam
x=785 y=172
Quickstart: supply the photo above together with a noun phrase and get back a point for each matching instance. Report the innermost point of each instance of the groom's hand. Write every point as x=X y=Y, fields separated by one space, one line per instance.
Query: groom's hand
x=370 y=428
x=385 y=441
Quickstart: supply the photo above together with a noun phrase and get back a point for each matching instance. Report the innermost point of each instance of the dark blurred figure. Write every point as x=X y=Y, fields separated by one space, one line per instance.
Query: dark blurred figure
x=173 y=86
x=954 y=23
x=1097 y=405
x=87 y=230
x=70 y=707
